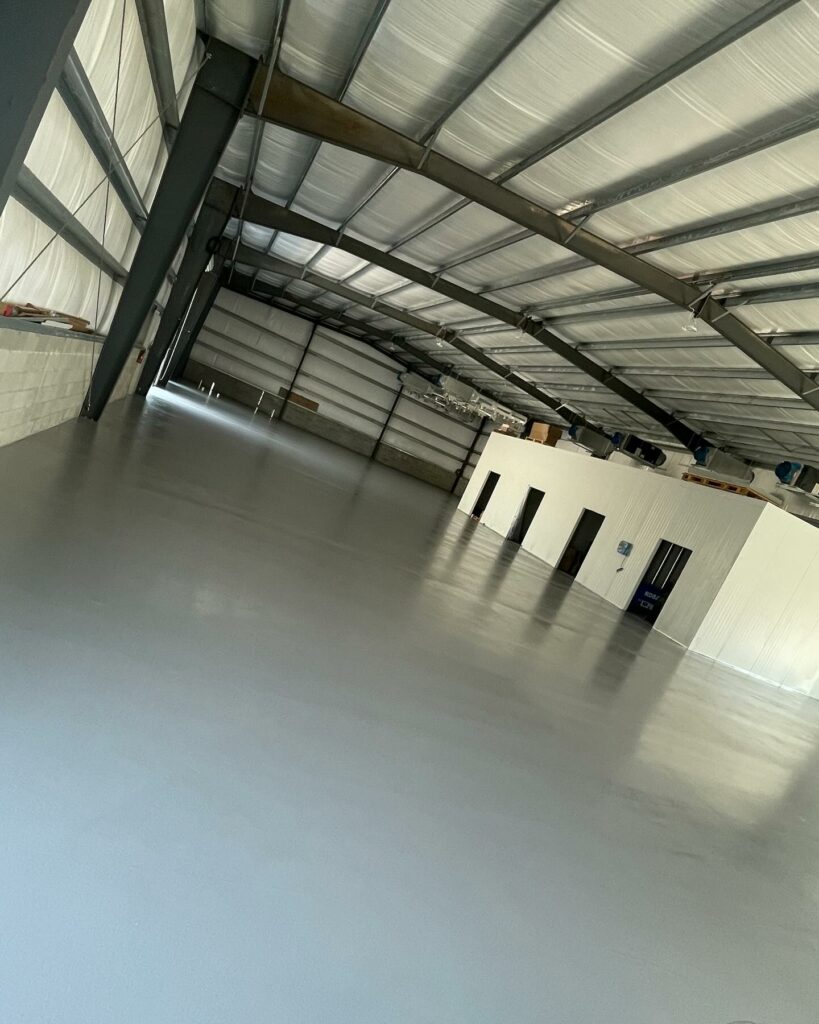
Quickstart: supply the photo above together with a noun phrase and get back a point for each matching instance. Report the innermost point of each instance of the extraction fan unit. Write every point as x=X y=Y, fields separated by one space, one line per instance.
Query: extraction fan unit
x=644 y=452
x=723 y=465
x=595 y=441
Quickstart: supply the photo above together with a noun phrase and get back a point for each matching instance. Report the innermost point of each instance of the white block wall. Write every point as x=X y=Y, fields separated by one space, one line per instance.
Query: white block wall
x=639 y=506
x=44 y=379
x=765 y=619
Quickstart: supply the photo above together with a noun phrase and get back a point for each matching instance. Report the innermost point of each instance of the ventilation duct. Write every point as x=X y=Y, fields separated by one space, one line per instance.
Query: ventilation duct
x=721 y=465
x=457 y=391
x=448 y=394
x=807 y=480
x=594 y=441
x=641 y=451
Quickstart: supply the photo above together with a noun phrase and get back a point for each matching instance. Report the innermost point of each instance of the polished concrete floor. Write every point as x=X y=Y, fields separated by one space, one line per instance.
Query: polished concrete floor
x=284 y=738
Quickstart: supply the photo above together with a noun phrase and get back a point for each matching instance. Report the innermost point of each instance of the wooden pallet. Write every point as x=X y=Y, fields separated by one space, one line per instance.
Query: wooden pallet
x=724 y=485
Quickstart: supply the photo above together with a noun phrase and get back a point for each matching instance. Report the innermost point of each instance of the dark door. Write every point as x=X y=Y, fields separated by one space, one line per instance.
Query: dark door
x=660 y=579
x=486 y=493
x=580 y=542
x=526 y=515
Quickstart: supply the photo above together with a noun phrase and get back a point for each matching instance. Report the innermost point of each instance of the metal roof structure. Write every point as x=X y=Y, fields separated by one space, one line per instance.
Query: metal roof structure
x=617 y=203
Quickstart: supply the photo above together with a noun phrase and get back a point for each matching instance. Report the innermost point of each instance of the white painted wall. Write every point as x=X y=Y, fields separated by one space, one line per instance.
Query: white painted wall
x=765 y=619
x=641 y=507
x=44 y=378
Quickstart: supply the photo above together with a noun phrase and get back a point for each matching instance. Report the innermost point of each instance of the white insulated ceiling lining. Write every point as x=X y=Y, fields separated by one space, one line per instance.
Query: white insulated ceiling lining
x=580 y=56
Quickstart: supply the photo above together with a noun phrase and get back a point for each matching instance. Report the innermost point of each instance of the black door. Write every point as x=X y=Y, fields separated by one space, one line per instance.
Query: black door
x=486 y=493
x=581 y=540
x=660 y=579
x=526 y=515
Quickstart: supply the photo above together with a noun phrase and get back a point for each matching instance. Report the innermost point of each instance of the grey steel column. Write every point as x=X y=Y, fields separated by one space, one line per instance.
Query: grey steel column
x=215 y=106
x=462 y=468
x=201 y=305
x=207 y=232
x=299 y=365
x=395 y=402
x=37 y=38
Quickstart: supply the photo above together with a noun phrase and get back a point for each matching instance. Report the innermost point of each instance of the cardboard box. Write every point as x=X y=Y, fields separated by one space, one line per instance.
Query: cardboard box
x=545 y=433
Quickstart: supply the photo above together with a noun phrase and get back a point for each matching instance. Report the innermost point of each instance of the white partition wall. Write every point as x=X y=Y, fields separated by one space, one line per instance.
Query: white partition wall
x=765 y=619
x=639 y=507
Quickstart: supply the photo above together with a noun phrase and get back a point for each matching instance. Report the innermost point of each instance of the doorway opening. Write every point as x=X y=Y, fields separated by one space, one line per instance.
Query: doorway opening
x=580 y=542
x=487 y=490
x=527 y=513
x=660 y=579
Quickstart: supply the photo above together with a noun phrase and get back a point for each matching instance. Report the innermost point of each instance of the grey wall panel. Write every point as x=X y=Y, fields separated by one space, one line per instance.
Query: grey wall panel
x=354 y=385
x=426 y=433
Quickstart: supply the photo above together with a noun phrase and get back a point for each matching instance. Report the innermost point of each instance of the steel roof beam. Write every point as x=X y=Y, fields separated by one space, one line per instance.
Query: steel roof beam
x=274 y=265
x=696 y=56
x=241 y=284
x=757 y=268
x=385 y=338
x=704 y=372
x=370 y=29
x=431 y=133
x=681 y=395
x=753 y=217
x=692 y=341
x=158 y=51
x=78 y=95
x=300 y=108
x=811 y=430
x=269 y=214
x=759 y=141
x=684 y=64
x=271 y=56
x=746 y=297
x=687 y=341
x=760 y=268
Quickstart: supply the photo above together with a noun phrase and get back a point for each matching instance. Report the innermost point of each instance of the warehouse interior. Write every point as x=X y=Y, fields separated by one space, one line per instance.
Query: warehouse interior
x=409 y=423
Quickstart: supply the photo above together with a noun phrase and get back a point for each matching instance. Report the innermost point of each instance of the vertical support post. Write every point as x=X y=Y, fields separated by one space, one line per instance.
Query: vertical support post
x=462 y=468
x=210 y=225
x=200 y=306
x=299 y=365
x=395 y=402
x=215 y=106
x=37 y=38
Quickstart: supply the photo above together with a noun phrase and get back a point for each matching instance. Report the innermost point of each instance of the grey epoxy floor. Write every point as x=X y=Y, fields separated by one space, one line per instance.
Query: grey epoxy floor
x=285 y=738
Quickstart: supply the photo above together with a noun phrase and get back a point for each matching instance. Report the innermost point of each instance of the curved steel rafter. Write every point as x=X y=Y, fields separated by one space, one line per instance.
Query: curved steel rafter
x=274 y=265
x=371 y=334
x=301 y=108
x=270 y=215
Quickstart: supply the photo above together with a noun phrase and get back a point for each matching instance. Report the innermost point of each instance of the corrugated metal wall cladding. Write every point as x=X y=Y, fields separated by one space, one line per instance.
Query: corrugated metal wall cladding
x=354 y=384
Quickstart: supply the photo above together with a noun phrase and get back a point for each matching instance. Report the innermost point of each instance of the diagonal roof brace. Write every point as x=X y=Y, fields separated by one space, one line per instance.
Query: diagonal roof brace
x=261 y=211
x=254 y=258
x=299 y=107
x=242 y=284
